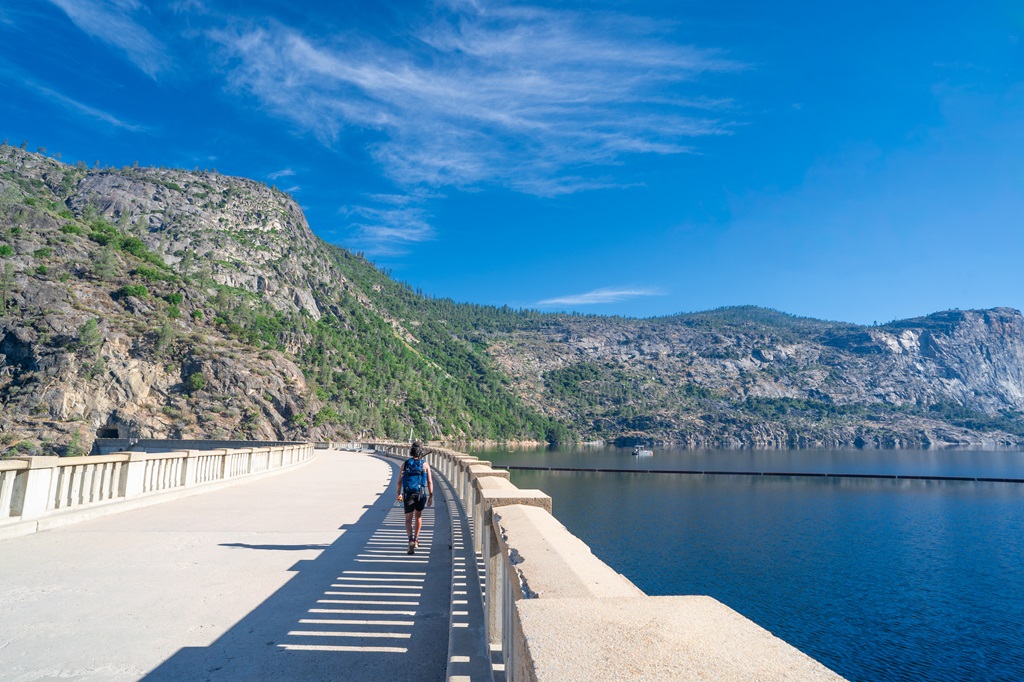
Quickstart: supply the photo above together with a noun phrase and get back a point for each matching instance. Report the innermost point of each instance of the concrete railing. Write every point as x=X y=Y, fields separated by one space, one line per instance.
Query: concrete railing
x=339 y=445
x=43 y=492
x=555 y=611
x=109 y=446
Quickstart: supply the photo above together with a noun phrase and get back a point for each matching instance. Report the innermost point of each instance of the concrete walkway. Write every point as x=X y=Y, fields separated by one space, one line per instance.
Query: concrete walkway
x=297 y=576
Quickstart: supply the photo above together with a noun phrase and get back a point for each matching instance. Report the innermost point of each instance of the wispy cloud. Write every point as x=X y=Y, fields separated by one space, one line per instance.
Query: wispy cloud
x=283 y=173
x=488 y=93
x=69 y=103
x=606 y=295
x=390 y=225
x=113 y=22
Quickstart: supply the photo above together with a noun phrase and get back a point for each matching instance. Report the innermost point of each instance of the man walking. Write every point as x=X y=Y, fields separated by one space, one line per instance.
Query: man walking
x=416 y=489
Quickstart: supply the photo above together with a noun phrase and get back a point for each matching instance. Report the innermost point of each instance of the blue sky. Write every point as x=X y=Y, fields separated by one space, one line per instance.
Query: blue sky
x=853 y=161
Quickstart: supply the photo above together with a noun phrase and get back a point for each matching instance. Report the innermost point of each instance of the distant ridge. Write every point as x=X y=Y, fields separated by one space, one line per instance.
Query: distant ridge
x=752 y=315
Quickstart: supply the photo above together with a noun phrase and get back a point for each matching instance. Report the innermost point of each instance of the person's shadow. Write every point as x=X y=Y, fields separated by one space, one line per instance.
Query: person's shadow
x=362 y=610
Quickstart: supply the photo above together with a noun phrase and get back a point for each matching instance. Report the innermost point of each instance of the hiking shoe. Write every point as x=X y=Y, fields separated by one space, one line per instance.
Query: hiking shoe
x=412 y=547
x=416 y=543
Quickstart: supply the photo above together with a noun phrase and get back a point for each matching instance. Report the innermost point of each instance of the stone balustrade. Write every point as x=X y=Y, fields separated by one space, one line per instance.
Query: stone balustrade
x=43 y=492
x=557 y=612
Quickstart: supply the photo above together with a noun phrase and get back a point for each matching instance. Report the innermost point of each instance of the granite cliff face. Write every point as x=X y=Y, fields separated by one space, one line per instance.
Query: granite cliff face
x=62 y=383
x=163 y=303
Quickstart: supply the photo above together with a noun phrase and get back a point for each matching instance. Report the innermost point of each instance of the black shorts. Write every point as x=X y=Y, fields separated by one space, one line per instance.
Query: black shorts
x=414 y=501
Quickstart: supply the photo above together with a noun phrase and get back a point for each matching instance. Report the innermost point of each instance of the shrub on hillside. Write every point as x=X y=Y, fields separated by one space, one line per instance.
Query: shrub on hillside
x=105 y=234
x=153 y=274
x=136 y=290
x=195 y=382
x=104 y=263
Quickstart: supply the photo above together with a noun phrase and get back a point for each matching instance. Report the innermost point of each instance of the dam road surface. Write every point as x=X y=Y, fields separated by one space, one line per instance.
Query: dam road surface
x=299 y=575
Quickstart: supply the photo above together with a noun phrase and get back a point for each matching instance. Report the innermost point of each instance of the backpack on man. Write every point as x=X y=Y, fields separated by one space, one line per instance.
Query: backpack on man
x=414 y=477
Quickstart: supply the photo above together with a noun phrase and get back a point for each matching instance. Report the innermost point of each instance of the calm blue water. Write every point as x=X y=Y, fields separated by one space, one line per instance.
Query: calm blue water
x=879 y=580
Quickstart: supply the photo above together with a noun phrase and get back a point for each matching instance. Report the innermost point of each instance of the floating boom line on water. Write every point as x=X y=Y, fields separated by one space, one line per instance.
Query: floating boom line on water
x=700 y=472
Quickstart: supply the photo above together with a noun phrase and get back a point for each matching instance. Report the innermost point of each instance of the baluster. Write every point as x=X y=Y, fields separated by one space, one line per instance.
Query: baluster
x=102 y=484
x=115 y=480
x=62 y=479
x=6 y=492
x=88 y=481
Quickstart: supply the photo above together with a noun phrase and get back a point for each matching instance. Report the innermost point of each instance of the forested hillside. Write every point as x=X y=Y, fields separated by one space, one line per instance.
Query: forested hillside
x=155 y=302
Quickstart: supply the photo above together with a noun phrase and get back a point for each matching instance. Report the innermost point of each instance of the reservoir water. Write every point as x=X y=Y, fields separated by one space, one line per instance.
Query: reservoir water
x=877 y=579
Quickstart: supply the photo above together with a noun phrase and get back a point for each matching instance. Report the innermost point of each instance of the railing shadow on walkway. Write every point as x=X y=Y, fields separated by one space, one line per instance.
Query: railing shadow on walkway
x=362 y=610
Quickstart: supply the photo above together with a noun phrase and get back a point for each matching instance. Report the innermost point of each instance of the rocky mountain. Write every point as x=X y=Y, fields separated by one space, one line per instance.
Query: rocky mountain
x=163 y=303
x=752 y=377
